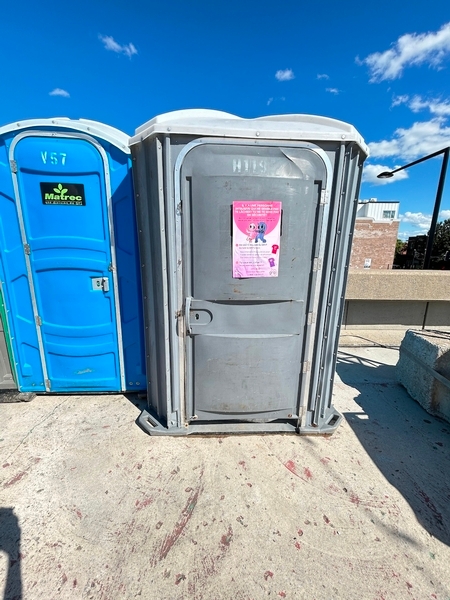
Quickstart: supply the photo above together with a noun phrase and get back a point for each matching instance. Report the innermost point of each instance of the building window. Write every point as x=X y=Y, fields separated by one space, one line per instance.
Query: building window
x=388 y=214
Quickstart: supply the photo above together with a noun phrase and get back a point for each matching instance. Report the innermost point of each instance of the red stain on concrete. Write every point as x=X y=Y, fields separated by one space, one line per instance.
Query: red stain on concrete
x=437 y=515
x=209 y=567
x=179 y=578
x=209 y=564
x=290 y=466
x=268 y=574
x=140 y=504
x=354 y=499
x=226 y=539
x=298 y=545
x=326 y=519
x=15 y=479
x=184 y=519
x=307 y=473
x=282 y=594
x=325 y=460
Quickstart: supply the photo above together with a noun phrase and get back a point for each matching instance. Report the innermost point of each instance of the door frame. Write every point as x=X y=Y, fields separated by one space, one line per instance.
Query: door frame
x=176 y=270
x=106 y=172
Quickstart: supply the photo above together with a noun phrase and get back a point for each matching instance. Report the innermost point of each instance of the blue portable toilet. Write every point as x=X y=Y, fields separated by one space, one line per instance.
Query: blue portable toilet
x=69 y=262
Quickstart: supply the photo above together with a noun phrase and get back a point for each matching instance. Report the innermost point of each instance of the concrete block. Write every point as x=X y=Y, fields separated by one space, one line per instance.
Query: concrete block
x=424 y=370
x=384 y=314
x=438 y=315
x=398 y=284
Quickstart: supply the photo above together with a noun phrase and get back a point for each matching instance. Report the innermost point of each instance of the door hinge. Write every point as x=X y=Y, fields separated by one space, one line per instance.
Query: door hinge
x=13 y=164
x=48 y=384
x=323 y=197
x=179 y=209
x=38 y=320
x=306 y=366
x=27 y=248
x=311 y=318
x=111 y=267
x=317 y=264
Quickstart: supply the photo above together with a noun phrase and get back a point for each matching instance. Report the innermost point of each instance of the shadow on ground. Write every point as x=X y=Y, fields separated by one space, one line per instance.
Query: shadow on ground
x=10 y=545
x=410 y=447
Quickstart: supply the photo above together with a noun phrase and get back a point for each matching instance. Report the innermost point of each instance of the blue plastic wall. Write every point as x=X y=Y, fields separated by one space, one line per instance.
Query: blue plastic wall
x=15 y=282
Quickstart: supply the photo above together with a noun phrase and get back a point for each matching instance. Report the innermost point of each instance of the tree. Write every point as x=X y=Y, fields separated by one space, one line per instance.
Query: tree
x=441 y=242
x=400 y=254
x=400 y=246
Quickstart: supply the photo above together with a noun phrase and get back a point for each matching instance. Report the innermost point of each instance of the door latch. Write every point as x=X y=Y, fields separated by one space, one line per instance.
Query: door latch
x=100 y=283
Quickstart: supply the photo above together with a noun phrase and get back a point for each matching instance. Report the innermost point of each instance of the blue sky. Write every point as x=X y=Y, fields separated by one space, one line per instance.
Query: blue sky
x=383 y=67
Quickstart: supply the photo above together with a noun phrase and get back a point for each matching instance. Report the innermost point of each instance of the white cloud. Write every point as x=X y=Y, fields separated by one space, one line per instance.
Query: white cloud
x=419 y=220
x=270 y=100
x=410 y=49
x=397 y=100
x=436 y=107
x=285 y=75
x=59 y=92
x=418 y=223
x=420 y=139
x=110 y=44
x=322 y=76
x=370 y=173
x=334 y=91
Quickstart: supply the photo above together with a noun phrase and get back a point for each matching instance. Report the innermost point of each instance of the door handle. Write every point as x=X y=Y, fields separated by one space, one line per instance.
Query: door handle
x=187 y=315
x=100 y=283
x=197 y=315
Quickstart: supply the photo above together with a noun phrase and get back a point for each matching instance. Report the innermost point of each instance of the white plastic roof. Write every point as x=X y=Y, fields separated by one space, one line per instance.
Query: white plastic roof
x=93 y=128
x=221 y=124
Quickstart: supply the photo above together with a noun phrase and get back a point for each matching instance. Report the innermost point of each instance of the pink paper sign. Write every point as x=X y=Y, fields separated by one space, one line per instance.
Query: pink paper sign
x=256 y=238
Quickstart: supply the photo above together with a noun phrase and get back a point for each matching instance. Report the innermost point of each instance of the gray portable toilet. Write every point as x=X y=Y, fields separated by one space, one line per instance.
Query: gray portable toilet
x=245 y=229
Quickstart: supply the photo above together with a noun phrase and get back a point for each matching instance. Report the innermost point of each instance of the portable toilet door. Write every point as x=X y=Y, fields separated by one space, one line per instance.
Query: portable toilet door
x=70 y=257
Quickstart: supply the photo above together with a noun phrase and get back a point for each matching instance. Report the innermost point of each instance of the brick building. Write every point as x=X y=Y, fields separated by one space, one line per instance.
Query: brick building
x=375 y=235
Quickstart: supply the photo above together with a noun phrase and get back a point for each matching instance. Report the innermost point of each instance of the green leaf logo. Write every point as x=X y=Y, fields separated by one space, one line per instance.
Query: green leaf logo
x=60 y=190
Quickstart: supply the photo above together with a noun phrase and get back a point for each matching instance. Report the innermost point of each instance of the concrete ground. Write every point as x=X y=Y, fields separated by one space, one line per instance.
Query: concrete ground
x=94 y=508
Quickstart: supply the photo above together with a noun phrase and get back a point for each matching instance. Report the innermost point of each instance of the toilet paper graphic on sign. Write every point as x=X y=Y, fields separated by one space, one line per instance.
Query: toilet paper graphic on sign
x=256 y=238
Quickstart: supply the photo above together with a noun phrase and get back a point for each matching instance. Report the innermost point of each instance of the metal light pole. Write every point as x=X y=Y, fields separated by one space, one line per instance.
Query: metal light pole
x=437 y=202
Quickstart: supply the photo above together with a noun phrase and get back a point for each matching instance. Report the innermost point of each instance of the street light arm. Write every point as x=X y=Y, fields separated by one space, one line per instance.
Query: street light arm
x=387 y=174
